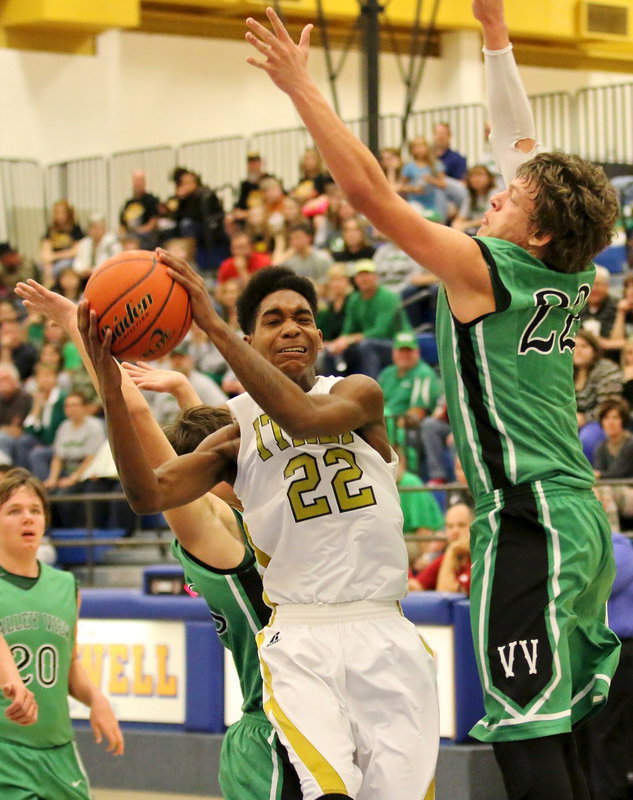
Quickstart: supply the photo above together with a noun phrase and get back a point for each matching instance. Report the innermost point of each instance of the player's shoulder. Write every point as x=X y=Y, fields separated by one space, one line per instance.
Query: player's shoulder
x=356 y=384
x=361 y=389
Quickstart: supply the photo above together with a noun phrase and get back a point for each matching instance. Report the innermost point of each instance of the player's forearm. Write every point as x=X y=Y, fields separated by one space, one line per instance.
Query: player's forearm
x=8 y=670
x=511 y=116
x=135 y=473
x=155 y=443
x=178 y=481
x=80 y=686
x=185 y=395
x=350 y=163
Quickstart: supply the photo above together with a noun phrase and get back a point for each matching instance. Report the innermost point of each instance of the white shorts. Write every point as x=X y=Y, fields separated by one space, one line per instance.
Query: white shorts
x=351 y=689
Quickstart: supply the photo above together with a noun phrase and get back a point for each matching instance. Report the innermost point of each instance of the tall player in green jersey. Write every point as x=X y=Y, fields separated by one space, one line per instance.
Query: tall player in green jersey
x=38 y=616
x=542 y=560
x=210 y=546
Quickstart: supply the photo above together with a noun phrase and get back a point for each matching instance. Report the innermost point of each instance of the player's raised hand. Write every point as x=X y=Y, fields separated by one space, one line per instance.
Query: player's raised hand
x=488 y=12
x=284 y=61
x=106 y=368
x=23 y=709
x=145 y=376
x=203 y=311
x=52 y=305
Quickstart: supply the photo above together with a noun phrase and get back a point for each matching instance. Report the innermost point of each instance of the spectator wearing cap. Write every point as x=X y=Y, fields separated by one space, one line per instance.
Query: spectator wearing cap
x=304 y=258
x=250 y=192
x=243 y=261
x=13 y=269
x=165 y=407
x=139 y=215
x=373 y=316
x=96 y=247
x=410 y=386
x=411 y=389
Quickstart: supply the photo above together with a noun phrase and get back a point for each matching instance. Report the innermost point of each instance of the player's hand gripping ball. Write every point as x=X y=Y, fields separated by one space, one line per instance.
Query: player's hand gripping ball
x=149 y=312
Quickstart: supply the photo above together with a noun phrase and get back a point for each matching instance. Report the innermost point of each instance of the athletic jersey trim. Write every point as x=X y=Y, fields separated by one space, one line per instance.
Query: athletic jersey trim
x=245 y=564
x=502 y=296
x=31 y=747
x=492 y=451
x=24 y=582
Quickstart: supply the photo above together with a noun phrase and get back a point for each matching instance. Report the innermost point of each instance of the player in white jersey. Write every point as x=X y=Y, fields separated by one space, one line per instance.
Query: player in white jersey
x=298 y=492
x=349 y=685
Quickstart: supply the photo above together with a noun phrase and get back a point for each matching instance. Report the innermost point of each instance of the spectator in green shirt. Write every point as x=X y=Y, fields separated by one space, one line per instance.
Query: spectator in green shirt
x=411 y=389
x=422 y=514
x=373 y=316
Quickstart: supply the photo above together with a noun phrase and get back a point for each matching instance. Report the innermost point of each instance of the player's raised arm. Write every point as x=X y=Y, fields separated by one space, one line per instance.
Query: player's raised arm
x=438 y=248
x=176 y=482
x=512 y=124
x=206 y=527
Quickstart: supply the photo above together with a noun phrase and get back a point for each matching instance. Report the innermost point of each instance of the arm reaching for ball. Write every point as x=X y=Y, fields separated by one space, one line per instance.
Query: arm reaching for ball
x=205 y=527
x=176 y=482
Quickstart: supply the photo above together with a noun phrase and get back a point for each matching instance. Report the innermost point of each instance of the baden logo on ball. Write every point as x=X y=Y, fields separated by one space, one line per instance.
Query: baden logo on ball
x=148 y=312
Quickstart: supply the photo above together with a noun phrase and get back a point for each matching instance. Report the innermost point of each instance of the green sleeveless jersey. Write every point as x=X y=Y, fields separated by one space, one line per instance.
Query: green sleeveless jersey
x=38 y=618
x=508 y=376
x=235 y=600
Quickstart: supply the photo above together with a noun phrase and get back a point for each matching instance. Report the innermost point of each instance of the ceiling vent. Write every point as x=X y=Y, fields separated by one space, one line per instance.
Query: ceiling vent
x=604 y=21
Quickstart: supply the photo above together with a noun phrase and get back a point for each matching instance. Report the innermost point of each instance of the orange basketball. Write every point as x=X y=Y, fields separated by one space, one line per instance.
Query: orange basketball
x=148 y=311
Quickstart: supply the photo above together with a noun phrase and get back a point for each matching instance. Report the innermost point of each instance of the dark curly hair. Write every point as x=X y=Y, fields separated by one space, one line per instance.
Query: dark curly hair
x=265 y=282
x=575 y=204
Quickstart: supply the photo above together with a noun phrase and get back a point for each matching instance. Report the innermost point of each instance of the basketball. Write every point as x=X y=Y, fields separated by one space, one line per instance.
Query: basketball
x=148 y=312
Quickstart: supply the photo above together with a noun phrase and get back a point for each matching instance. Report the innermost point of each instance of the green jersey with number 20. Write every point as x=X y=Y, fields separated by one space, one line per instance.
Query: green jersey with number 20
x=37 y=619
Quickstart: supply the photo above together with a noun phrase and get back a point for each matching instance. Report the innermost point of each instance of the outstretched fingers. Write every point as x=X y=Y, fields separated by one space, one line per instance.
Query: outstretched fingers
x=278 y=26
x=261 y=31
x=304 y=39
x=264 y=49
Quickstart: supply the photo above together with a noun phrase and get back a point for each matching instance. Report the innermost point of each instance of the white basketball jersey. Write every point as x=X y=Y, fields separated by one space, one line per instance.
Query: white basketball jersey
x=323 y=514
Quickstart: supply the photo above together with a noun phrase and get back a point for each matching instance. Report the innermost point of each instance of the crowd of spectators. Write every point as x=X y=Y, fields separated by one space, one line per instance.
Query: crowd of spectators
x=375 y=304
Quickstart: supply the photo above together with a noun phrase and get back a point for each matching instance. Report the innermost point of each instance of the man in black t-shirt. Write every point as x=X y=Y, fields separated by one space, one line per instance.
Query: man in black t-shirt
x=139 y=215
x=250 y=193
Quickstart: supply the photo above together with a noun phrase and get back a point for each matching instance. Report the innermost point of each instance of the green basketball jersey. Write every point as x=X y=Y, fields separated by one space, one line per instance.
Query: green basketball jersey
x=37 y=618
x=508 y=376
x=235 y=599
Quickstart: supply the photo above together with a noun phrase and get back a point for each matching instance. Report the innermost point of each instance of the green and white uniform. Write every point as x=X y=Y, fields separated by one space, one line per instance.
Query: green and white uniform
x=37 y=619
x=541 y=544
x=254 y=765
